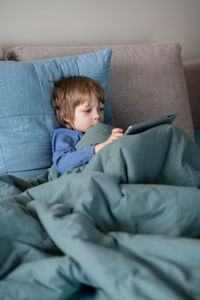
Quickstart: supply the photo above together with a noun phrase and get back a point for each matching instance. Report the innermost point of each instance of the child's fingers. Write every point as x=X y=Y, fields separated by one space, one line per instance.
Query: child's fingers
x=115 y=130
x=117 y=135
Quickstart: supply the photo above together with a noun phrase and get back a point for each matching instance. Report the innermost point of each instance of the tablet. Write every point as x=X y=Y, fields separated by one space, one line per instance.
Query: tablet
x=140 y=127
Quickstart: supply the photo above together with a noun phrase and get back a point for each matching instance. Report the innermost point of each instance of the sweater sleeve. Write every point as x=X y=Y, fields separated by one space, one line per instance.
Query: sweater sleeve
x=66 y=157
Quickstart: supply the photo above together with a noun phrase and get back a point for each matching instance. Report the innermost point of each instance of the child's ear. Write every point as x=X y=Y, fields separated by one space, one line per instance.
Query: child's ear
x=68 y=123
x=66 y=120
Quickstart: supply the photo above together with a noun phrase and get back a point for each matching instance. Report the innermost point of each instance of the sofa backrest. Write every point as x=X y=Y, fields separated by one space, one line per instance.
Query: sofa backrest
x=192 y=76
x=146 y=80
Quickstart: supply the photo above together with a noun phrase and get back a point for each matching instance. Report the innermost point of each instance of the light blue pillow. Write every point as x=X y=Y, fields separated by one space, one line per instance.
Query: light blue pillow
x=27 y=119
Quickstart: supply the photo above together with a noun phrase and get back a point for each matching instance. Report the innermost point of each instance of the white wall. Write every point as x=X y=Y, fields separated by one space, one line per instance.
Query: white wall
x=90 y=22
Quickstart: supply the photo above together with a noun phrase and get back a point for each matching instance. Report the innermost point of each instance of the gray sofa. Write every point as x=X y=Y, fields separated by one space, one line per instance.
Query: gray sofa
x=125 y=226
x=146 y=80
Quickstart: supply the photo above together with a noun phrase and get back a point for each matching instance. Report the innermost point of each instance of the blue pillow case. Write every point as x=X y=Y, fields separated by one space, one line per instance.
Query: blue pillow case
x=27 y=119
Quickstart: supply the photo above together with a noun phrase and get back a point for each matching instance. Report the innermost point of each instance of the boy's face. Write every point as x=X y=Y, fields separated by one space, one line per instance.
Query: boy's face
x=87 y=115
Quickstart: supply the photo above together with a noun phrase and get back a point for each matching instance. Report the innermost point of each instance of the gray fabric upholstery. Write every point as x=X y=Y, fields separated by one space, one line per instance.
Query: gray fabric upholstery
x=1 y=53
x=146 y=80
x=192 y=75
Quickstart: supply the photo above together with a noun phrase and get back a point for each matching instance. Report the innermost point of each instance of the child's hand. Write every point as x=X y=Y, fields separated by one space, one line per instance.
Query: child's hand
x=116 y=134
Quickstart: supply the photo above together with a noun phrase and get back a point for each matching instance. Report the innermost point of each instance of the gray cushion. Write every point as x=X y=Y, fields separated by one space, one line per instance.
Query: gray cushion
x=146 y=81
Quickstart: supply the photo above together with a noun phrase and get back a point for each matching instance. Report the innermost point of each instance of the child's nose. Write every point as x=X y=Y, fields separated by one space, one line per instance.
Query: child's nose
x=96 y=115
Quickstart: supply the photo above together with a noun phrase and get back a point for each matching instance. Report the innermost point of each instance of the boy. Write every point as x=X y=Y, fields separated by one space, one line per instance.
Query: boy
x=79 y=104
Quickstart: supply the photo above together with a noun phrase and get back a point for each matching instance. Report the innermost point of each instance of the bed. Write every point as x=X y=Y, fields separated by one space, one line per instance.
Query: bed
x=124 y=226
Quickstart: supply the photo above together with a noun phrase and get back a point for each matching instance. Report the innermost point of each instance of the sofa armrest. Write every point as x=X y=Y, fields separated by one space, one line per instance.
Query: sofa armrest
x=192 y=76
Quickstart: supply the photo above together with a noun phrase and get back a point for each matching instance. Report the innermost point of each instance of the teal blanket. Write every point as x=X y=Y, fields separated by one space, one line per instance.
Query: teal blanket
x=125 y=226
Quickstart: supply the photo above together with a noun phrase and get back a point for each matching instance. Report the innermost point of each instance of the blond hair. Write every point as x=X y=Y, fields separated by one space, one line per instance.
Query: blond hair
x=72 y=91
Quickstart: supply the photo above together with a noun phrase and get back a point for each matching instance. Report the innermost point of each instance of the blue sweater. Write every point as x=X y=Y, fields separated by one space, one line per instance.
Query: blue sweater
x=65 y=155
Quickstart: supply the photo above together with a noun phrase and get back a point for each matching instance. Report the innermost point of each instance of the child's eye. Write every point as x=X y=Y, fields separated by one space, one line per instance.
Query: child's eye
x=87 y=110
x=100 y=109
